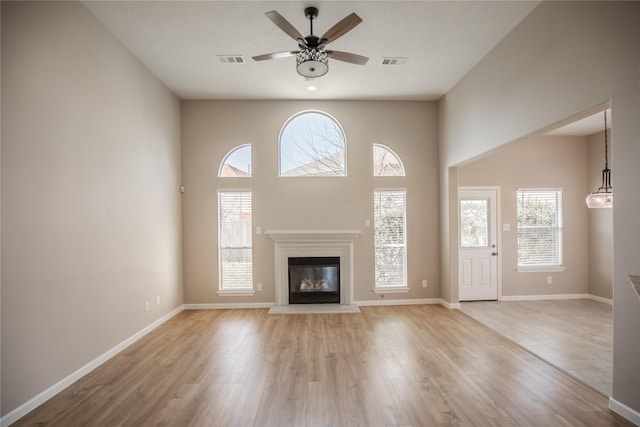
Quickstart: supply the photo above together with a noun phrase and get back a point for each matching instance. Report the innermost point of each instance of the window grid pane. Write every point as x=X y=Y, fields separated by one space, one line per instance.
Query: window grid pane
x=237 y=163
x=386 y=162
x=474 y=223
x=312 y=144
x=540 y=236
x=390 y=240
x=235 y=240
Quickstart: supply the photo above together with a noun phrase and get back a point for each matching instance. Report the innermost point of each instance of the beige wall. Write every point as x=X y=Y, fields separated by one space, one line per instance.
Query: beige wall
x=90 y=200
x=544 y=162
x=563 y=59
x=600 y=223
x=211 y=128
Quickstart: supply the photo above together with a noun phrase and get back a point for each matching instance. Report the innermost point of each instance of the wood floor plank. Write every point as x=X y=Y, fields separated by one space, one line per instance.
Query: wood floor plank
x=318 y=404
x=388 y=366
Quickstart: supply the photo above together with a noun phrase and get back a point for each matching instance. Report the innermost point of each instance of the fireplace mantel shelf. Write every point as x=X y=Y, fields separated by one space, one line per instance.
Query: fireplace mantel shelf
x=298 y=235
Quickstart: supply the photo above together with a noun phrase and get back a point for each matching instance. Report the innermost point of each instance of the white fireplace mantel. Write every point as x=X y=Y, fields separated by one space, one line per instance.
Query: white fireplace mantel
x=313 y=243
x=313 y=235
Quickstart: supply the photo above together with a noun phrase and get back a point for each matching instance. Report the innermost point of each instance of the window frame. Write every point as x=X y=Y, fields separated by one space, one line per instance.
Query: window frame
x=558 y=227
x=393 y=153
x=238 y=291
x=339 y=127
x=382 y=289
x=229 y=154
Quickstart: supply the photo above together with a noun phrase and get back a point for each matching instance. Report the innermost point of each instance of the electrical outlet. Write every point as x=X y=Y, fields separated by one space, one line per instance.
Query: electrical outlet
x=146 y=306
x=259 y=287
x=158 y=300
x=549 y=280
x=424 y=283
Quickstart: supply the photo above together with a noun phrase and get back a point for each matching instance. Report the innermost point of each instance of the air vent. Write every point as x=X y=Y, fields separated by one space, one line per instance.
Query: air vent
x=231 y=59
x=394 y=61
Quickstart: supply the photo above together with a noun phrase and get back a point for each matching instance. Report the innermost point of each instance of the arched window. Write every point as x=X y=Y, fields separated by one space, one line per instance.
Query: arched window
x=312 y=144
x=386 y=162
x=237 y=163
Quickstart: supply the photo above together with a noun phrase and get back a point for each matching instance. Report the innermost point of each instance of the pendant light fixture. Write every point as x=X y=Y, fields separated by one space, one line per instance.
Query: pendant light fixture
x=603 y=196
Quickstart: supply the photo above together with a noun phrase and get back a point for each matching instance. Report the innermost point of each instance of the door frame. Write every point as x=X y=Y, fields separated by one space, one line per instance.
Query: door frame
x=498 y=224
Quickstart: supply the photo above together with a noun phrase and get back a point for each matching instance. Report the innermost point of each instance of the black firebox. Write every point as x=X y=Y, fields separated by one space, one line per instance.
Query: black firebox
x=314 y=280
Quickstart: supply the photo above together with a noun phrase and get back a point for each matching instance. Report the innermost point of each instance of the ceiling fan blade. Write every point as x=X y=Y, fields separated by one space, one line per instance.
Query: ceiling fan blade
x=340 y=29
x=284 y=25
x=276 y=55
x=351 y=58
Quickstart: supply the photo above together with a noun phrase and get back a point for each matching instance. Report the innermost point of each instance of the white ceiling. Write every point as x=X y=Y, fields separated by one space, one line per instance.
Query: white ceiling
x=179 y=42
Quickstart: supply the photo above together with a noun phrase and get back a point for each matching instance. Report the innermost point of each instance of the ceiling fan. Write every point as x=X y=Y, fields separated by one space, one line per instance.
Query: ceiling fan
x=312 y=58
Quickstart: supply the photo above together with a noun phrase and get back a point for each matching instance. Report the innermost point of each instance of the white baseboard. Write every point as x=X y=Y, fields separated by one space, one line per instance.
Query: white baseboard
x=601 y=299
x=450 y=305
x=554 y=296
x=221 y=306
x=542 y=297
x=41 y=398
x=624 y=411
x=378 y=302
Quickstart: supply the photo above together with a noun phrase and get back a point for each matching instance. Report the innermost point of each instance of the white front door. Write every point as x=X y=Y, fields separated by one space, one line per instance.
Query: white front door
x=477 y=244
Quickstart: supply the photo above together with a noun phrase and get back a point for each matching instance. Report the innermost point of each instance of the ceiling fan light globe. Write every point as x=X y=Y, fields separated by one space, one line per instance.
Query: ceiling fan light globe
x=312 y=69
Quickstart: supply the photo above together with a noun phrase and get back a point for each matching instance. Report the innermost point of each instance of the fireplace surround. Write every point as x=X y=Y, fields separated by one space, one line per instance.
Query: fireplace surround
x=313 y=243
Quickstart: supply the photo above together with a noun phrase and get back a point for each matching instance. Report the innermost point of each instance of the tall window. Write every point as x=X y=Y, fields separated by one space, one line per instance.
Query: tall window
x=237 y=163
x=235 y=240
x=386 y=162
x=390 y=238
x=539 y=229
x=312 y=144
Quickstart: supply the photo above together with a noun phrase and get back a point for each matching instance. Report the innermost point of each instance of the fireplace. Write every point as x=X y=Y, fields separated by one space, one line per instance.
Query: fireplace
x=313 y=243
x=314 y=280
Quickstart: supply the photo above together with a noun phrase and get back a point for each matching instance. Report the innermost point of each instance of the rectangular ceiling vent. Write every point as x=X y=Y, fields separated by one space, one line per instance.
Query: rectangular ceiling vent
x=394 y=61
x=231 y=59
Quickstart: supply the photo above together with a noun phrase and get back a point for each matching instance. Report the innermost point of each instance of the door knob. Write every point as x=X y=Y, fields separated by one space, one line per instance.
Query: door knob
x=494 y=253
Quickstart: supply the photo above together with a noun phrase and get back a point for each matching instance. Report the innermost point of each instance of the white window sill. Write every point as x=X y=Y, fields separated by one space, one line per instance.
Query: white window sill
x=236 y=293
x=391 y=290
x=541 y=269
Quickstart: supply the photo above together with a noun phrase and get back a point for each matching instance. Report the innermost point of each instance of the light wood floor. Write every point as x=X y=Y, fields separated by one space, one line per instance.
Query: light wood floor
x=574 y=335
x=389 y=366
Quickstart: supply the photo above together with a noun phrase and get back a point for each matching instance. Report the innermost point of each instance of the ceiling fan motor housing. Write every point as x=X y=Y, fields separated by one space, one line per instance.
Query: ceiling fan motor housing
x=311 y=12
